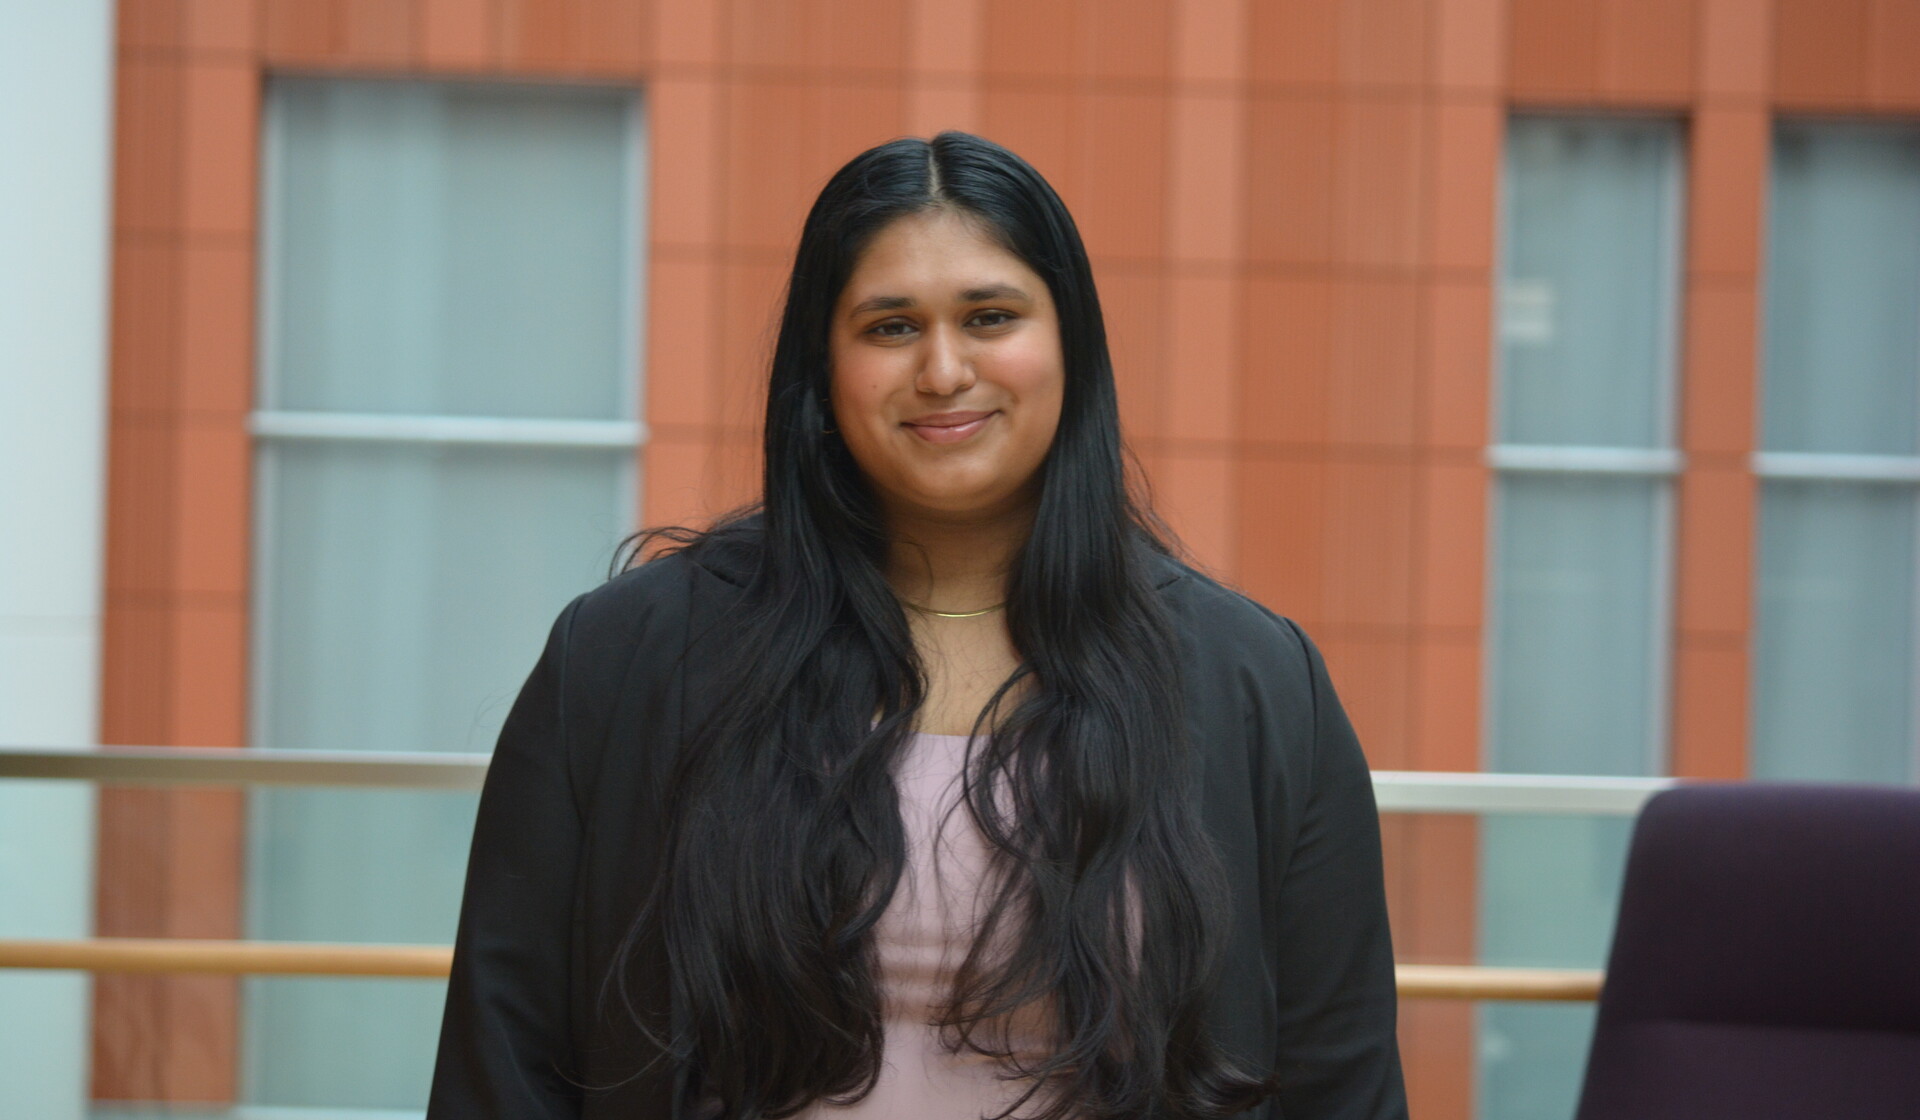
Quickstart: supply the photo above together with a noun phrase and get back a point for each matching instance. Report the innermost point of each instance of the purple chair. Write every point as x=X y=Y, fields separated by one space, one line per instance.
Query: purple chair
x=1766 y=961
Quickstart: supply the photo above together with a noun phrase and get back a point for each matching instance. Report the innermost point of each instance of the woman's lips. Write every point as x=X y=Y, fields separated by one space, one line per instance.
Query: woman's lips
x=948 y=427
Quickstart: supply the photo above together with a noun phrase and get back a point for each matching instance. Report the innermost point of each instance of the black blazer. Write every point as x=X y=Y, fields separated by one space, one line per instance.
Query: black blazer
x=570 y=830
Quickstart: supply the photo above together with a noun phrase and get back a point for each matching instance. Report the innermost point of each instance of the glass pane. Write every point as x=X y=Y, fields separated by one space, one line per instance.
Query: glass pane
x=1575 y=625
x=407 y=589
x=449 y=249
x=1588 y=281
x=47 y=858
x=1833 y=685
x=1843 y=290
x=351 y=865
x=1550 y=888
x=405 y=593
x=1532 y=1059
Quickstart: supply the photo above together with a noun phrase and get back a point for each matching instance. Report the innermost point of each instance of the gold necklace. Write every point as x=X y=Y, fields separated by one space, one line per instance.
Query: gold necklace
x=953 y=614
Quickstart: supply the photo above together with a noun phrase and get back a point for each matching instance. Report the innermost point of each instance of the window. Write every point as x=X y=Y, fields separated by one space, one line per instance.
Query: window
x=446 y=445
x=1833 y=673
x=1577 y=669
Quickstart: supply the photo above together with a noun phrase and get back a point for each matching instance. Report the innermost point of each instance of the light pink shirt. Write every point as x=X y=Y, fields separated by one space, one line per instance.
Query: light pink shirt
x=921 y=938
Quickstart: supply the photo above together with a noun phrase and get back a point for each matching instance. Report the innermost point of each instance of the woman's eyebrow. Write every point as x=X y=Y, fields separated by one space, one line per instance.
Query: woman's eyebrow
x=993 y=291
x=880 y=303
x=966 y=295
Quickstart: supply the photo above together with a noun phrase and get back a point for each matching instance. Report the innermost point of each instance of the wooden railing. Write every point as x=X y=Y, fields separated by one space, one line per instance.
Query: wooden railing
x=228 y=958
x=286 y=958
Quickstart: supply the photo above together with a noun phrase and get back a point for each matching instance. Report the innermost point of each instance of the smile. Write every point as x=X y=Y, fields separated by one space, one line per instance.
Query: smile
x=948 y=427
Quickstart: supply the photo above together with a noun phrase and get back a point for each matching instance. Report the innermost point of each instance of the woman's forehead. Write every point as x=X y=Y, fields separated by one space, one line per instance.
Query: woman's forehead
x=934 y=257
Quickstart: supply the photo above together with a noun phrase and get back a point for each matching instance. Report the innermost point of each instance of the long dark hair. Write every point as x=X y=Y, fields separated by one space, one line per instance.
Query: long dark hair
x=1104 y=905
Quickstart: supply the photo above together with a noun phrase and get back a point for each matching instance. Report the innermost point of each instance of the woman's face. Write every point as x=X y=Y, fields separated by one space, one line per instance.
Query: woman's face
x=946 y=369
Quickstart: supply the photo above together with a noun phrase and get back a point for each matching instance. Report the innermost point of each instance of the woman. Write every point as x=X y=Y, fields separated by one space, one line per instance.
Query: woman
x=934 y=786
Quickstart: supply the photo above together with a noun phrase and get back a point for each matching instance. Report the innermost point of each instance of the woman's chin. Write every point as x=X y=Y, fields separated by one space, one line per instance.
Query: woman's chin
x=964 y=504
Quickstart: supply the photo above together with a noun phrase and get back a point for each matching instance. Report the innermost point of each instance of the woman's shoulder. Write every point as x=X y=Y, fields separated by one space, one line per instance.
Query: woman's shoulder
x=623 y=646
x=1223 y=626
x=655 y=604
x=713 y=565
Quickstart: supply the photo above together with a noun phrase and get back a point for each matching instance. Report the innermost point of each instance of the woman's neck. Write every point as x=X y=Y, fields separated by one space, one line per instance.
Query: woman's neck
x=955 y=563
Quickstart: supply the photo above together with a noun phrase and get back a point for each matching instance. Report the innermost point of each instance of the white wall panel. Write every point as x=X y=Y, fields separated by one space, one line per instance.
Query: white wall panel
x=56 y=62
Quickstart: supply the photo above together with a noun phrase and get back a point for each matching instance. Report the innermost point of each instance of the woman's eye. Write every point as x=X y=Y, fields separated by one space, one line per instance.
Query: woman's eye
x=886 y=329
x=996 y=318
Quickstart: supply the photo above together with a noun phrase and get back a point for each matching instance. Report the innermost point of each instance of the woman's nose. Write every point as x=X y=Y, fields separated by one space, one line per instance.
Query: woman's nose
x=944 y=366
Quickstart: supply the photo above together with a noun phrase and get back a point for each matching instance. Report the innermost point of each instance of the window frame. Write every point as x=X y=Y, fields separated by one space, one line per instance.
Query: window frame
x=1850 y=468
x=270 y=426
x=1664 y=463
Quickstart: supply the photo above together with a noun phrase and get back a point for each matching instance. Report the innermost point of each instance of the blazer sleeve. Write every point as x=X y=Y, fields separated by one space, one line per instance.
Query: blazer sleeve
x=504 y=1044
x=1339 y=1056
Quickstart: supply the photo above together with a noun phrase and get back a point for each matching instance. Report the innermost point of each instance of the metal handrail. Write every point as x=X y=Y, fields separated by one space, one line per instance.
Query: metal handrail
x=1396 y=791
x=1423 y=791
x=167 y=956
